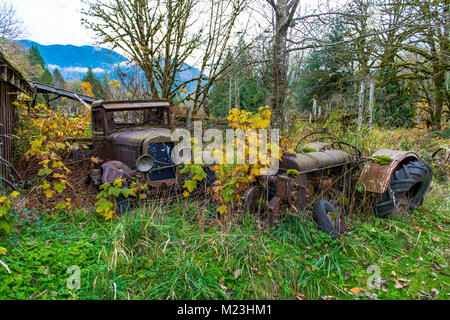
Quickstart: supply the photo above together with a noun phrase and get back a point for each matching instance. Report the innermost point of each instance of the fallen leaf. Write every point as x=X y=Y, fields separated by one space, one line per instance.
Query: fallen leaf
x=356 y=290
x=222 y=286
x=95 y=160
x=370 y=295
x=237 y=273
x=434 y=292
x=382 y=282
x=436 y=239
x=401 y=283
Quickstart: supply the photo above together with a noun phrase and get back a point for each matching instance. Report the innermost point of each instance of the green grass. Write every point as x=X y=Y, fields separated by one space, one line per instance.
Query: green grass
x=182 y=252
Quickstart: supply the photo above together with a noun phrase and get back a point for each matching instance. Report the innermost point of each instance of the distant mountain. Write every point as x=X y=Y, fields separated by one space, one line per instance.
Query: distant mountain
x=73 y=61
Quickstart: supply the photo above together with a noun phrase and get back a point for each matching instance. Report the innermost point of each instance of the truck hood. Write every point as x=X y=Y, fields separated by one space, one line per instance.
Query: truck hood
x=137 y=137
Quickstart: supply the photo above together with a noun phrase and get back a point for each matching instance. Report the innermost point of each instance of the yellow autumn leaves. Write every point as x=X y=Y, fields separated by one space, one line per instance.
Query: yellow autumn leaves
x=245 y=120
x=46 y=133
x=233 y=179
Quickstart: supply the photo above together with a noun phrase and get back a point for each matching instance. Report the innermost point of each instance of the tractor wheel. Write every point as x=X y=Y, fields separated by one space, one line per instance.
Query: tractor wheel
x=329 y=220
x=407 y=188
x=255 y=201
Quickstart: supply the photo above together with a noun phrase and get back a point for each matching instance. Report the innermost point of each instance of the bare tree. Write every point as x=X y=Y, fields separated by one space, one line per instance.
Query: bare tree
x=160 y=37
x=413 y=44
x=152 y=33
x=430 y=44
x=295 y=29
x=11 y=26
x=216 y=41
x=284 y=15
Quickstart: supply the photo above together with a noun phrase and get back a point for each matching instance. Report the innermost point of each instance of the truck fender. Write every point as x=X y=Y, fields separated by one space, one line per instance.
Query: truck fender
x=113 y=170
x=375 y=177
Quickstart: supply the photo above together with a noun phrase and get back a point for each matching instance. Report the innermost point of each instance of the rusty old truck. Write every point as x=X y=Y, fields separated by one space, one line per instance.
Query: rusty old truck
x=133 y=139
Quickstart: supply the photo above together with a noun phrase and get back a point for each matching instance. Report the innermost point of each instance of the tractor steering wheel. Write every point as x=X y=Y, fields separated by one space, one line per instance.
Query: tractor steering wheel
x=357 y=153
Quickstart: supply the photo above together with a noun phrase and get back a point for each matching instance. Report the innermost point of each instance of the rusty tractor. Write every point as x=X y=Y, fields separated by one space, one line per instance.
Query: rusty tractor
x=327 y=177
x=133 y=139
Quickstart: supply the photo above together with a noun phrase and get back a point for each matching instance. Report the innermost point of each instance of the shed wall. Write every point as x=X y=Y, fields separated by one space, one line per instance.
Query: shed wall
x=8 y=94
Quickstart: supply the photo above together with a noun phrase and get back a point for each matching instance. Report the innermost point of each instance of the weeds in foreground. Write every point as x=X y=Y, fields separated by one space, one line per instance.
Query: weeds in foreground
x=162 y=251
x=182 y=251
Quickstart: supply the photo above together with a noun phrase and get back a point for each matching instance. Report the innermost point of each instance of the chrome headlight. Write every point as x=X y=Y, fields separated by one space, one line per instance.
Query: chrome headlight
x=145 y=163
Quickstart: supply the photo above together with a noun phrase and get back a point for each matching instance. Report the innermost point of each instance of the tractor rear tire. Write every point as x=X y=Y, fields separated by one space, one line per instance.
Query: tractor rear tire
x=407 y=188
x=329 y=223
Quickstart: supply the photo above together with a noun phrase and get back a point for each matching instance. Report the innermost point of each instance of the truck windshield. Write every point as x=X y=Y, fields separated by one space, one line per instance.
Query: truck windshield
x=150 y=116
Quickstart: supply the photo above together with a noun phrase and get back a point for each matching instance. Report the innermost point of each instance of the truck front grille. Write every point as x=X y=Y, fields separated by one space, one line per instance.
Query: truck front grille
x=161 y=152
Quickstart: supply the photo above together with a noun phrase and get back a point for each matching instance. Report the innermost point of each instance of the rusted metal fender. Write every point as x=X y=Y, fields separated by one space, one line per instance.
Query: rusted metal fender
x=113 y=170
x=376 y=177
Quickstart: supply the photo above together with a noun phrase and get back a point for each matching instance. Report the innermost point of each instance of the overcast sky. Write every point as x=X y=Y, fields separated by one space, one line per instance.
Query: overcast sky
x=58 y=21
x=53 y=21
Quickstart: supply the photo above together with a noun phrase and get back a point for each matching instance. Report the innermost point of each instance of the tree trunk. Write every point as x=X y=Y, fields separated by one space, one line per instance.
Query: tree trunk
x=279 y=73
x=284 y=13
x=439 y=84
x=361 y=105
x=189 y=118
x=314 y=107
x=230 y=93
x=371 y=101
x=236 y=94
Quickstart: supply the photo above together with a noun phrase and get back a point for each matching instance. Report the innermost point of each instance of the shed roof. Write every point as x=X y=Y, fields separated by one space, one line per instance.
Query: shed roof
x=10 y=74
x=137 y=104
x=43 y=88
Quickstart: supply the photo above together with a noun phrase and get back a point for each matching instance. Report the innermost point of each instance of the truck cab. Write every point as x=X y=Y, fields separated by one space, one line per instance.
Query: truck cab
x=125 y=131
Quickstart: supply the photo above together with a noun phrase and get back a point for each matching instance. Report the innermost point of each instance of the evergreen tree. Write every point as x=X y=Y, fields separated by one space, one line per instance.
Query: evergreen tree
x=219 y=96
x=58 y=79
x=326 y=71
x=46 y=78
x=97 y=86
x=35 y=58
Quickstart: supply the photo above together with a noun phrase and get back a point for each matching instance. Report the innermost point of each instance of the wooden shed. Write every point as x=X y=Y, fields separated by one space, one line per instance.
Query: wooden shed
x=12 y=83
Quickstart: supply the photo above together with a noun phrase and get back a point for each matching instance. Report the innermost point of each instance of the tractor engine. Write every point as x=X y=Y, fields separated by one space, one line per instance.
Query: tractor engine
x=300 y=179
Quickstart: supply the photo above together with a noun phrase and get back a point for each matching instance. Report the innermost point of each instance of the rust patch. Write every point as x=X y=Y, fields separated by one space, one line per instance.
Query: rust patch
x=376 y=177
